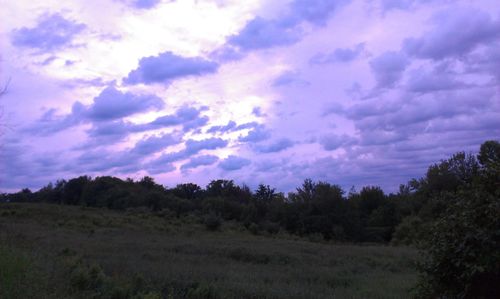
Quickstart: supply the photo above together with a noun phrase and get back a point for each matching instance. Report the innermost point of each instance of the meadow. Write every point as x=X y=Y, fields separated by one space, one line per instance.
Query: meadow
x=61 y=251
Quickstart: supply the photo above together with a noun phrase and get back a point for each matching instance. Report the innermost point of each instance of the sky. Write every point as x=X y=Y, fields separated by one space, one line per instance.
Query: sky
x=351 y=92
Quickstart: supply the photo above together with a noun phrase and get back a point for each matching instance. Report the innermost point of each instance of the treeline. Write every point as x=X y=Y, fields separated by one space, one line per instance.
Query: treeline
x=318 y=208
x=453 y=213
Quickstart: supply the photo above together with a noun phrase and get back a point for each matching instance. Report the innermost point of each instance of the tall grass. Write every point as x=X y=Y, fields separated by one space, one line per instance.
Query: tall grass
x=89 y=253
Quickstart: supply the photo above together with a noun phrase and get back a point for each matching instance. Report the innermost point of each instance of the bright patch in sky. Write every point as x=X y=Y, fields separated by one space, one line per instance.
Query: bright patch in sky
x=353 y=92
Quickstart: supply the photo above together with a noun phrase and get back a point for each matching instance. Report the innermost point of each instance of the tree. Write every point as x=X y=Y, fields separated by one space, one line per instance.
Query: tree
x=264 y=193
x=489 y=158
x=187 y=191
x=306 y=192
x=462 y=259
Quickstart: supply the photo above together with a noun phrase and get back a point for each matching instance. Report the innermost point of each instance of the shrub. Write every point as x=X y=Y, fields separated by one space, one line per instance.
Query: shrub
x=271 y=227
x=462 y=259
x=212 y=222
x=408 y=232
x=253 y=228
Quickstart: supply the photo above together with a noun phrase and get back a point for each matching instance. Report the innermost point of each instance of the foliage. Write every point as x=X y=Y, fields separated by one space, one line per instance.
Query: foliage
x=462 y=259
x=462 y=256
x=451 y=212
x=139 y=254
x=212 y=222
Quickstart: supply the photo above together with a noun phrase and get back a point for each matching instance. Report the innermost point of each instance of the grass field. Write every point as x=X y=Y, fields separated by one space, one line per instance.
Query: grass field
x=51 y=251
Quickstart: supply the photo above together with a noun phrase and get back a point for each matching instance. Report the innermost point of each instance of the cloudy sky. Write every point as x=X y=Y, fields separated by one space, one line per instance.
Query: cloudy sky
x=353 y=92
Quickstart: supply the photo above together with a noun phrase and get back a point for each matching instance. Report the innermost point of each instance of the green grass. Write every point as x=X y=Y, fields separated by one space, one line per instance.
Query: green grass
x=80 y=252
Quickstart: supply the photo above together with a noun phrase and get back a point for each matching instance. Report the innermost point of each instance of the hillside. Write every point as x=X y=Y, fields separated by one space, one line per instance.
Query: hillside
x=60 y=251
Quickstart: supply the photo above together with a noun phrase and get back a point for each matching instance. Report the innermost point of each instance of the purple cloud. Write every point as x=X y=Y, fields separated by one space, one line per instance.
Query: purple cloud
x=289 y=78
x=188 y=117
x=195 y=146
x=51 y=32
x=155 y=144
x=145 y=4
x=456 y=32
x=163 y=163
x=203 y=160
x=316 y=12
x=332 y=142
x=256 y=135
x=167 y=67
x=276 y=146
x=232 y=163
x=222 y=129
x=382 y=104
x=423 y=81
x=108 y=107
x=388 y=68
x=262 y=33
x=341 y=55
x=113 y=104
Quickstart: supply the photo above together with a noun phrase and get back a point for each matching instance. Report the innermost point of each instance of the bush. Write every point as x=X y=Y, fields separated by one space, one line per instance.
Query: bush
x=271 y=227
x=462 y=259
x=212 y=222
x=253 y=228
x=408 y=232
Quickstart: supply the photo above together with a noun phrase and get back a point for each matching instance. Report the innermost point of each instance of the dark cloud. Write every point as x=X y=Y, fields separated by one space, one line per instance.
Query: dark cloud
x=51 y=32
x=332 y=142
x=188 y=117
x=113 y=131
x=486 y=62
x=110 y=132
x=160 y=168
x=145 y=4
x=388 y=5
x=222 y=129
x=261 y=33
x=256 y=135
x=456 y=32
x=414 y=114
x=249 y=125
x=14 y=164
x=195 y=146
x=333 y=108
x=276 y=146
x=102 y=160
x=50 y=122
x=234 y=163
x=170 y=157
x=257 y=111
x=227 y=53
x=289 y=78
x=396 y=4
x=423 y=81
x=105 y=113
x=167 y=67
x=339 y=55
x=316 y=12
x=114 y=104
x=388 y=68
x=203 y=160
x=367 y=108
x=96 y=82
x=155 y=144
x=381 y=137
